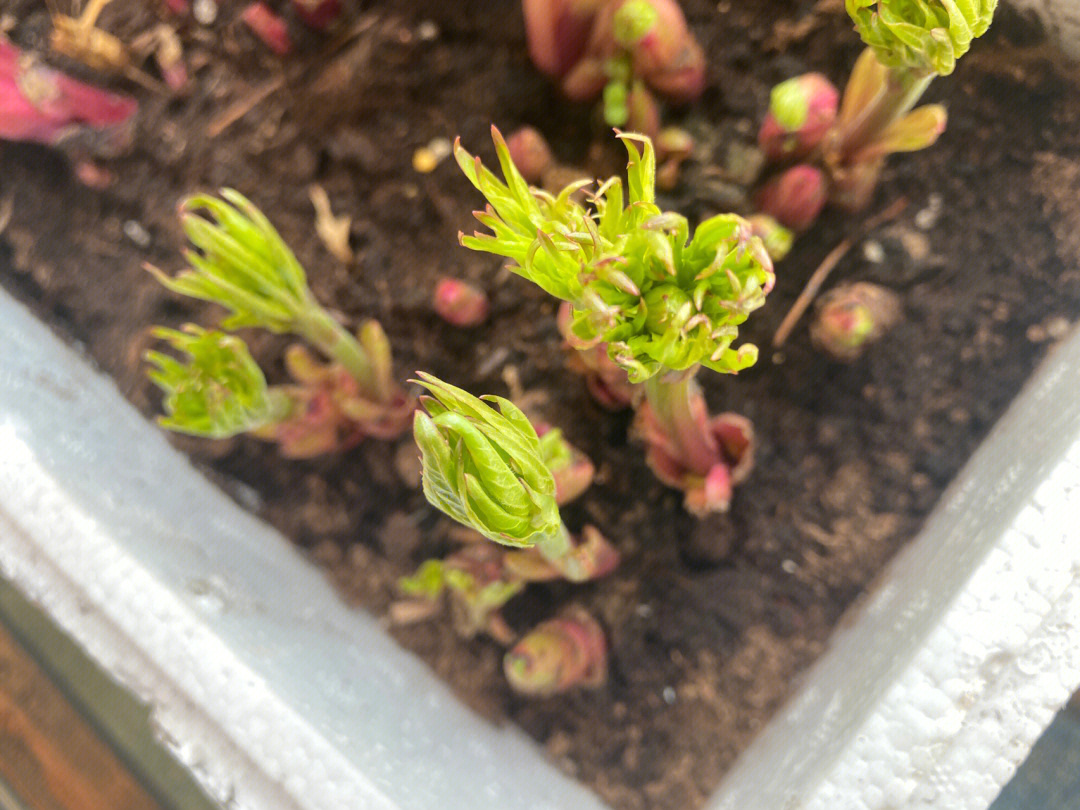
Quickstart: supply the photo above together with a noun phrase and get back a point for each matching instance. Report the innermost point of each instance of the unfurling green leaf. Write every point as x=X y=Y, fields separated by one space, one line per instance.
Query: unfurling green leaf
x=483 y=467
x=636 y=279
x=428 y=581
x=215 y=389
x=927 y=36
x=917 y=130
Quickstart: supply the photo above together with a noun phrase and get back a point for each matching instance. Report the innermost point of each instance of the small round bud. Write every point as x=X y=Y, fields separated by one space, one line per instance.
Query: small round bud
x=801 y=111
x=796 y=197
x=851 y=317
x=460 y=303
x=530 y=153
x=560 y=654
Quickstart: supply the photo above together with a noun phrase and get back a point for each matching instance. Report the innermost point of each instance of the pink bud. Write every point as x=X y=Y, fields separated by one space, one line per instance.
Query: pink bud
x=93 y=176
x=268 y=27
x=795 y=198
x=558 y=655
x=177 y=6
x=852 y=316
x=662 y=51
x=43 y=105
x=683 y=78
x=801 y=111
x=674 y=142
x=557 y=32
x=460 y=303
x=665 y=38
x=669 y=58
x=318 y=14
x=530 y=153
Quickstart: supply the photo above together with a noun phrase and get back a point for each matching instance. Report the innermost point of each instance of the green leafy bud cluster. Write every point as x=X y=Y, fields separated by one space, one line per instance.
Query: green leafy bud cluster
x=923 y=35
x=483 y=467
x=218 y=390
x=635 y=278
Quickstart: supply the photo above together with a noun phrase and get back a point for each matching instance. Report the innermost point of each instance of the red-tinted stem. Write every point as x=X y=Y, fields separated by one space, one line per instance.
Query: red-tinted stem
x=677 y=405
x=901 y=92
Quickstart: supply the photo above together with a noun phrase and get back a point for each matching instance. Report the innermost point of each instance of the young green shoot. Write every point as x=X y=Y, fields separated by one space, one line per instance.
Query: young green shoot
x=662 y=301
x=909 y=43
x=624 y=51
x=484 y=466
x=240 y=262
x=477 y=583
x=561 y=654
x=214 y=388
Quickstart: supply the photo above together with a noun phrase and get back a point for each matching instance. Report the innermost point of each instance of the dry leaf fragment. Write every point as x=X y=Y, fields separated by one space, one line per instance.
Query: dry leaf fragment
x=332 y=230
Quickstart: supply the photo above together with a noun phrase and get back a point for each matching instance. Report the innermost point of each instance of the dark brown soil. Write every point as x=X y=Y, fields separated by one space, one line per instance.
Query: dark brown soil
x=850 y=459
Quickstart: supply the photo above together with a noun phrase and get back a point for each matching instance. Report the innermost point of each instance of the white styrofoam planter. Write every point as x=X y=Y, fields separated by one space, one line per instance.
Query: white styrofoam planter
x=278 y=696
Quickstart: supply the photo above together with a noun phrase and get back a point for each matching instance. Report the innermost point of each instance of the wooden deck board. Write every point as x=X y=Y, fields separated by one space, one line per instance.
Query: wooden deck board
x=50 y=757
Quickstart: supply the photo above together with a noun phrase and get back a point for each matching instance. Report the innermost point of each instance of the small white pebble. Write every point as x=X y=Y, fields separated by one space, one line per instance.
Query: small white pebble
x=873 y=252
x=643 y=610
x=789 y=566
x=248 y=497
x=427 y=30
x=204 y=11
x=669 y=695
x=440 y=147
x=137 y=233
x=928 y=216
